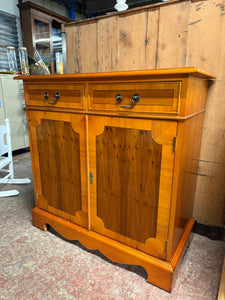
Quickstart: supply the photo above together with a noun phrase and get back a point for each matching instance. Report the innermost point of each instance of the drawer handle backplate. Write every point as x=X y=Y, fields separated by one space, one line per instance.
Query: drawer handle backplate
x=134 y=99
x=56 y=98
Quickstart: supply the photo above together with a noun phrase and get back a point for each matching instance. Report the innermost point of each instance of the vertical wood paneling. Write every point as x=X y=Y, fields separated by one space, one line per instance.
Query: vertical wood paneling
x=206 y=50
x=151 y=39
x=72 y=36
x=206 y=36
x=173 y=34
x=107 y=40
x=82 y=48
x=132 y=42
x=179 y=34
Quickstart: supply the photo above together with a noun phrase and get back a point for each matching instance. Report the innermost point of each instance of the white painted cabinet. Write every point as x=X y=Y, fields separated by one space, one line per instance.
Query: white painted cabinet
x=12 y=107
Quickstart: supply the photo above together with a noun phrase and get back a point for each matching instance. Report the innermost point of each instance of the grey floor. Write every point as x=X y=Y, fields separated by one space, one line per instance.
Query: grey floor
x=41 y=265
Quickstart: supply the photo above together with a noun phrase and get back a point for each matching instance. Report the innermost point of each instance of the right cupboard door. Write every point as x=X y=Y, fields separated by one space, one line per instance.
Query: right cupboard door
x=131 y=169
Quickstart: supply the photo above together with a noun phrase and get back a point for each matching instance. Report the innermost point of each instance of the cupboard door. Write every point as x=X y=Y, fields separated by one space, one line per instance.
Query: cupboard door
x=131 y=161
x=58 y=150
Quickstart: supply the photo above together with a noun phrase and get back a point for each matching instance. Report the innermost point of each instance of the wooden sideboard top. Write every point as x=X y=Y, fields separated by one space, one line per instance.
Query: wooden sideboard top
x=125 y=74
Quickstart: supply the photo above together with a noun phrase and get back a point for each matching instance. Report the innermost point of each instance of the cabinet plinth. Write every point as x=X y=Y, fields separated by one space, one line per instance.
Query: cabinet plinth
x=114 y=161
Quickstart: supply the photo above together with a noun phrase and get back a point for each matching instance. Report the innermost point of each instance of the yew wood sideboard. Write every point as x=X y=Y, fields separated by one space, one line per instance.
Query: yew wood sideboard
x=114 y=159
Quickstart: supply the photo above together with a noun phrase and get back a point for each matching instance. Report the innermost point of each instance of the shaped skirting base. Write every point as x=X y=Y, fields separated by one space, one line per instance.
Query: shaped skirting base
x=160 y=273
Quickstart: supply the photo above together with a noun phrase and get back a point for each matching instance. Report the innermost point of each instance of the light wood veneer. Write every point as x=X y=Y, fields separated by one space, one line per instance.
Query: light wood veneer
x=119 y=179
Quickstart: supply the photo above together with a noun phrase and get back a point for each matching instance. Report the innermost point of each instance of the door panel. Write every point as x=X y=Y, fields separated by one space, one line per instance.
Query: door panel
x=60 y=165
x=123 y=182
x=132 y=165
x=58 y=143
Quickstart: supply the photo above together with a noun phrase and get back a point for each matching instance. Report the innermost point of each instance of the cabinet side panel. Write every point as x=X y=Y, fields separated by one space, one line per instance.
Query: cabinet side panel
x=209 y=33
x=128 y=175
x=59 y=155
x=191 y=141
x=27 y=31
x=12 y=103
x=196 y=96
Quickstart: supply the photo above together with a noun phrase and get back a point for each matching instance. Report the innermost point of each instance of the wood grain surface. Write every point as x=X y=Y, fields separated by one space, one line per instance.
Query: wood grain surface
x=162 y=133
x=167 y=35
x=59 y=155
x=59 y=164
x=126 y=189
x=128 y=179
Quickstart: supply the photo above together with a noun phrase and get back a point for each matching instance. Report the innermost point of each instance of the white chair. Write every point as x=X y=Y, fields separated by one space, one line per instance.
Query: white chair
x=6 y=162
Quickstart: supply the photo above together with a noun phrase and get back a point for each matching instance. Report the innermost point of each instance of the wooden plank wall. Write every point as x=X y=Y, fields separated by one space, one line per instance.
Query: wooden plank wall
x=173 y=34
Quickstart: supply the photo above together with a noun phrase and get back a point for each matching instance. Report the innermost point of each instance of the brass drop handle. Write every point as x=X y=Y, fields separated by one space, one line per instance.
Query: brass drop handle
x=134 y=99
x=56 y=98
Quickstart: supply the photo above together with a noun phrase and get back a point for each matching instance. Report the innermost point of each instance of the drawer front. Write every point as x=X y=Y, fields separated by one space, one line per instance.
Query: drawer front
x=65 y=95
x=155 y=97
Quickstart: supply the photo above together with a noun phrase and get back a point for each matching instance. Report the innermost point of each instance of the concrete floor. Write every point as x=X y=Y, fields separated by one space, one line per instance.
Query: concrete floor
x=40 y=265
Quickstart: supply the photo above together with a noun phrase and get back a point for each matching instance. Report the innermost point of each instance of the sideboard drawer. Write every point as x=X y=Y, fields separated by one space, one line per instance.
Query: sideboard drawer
x=68 y=95
x=151 y=97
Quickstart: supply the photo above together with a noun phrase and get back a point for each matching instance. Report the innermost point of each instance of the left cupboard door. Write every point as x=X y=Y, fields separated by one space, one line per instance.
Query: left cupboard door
x=58 y=153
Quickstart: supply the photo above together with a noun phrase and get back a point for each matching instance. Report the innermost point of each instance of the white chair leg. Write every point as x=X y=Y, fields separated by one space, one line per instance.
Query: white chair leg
x=9 y=193
x=17 y=181
x=11 y=170
x=7 y=148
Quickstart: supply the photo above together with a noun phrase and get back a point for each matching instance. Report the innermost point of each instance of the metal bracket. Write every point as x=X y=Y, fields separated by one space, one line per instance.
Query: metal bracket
x=91 y=177
x=174 y=143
